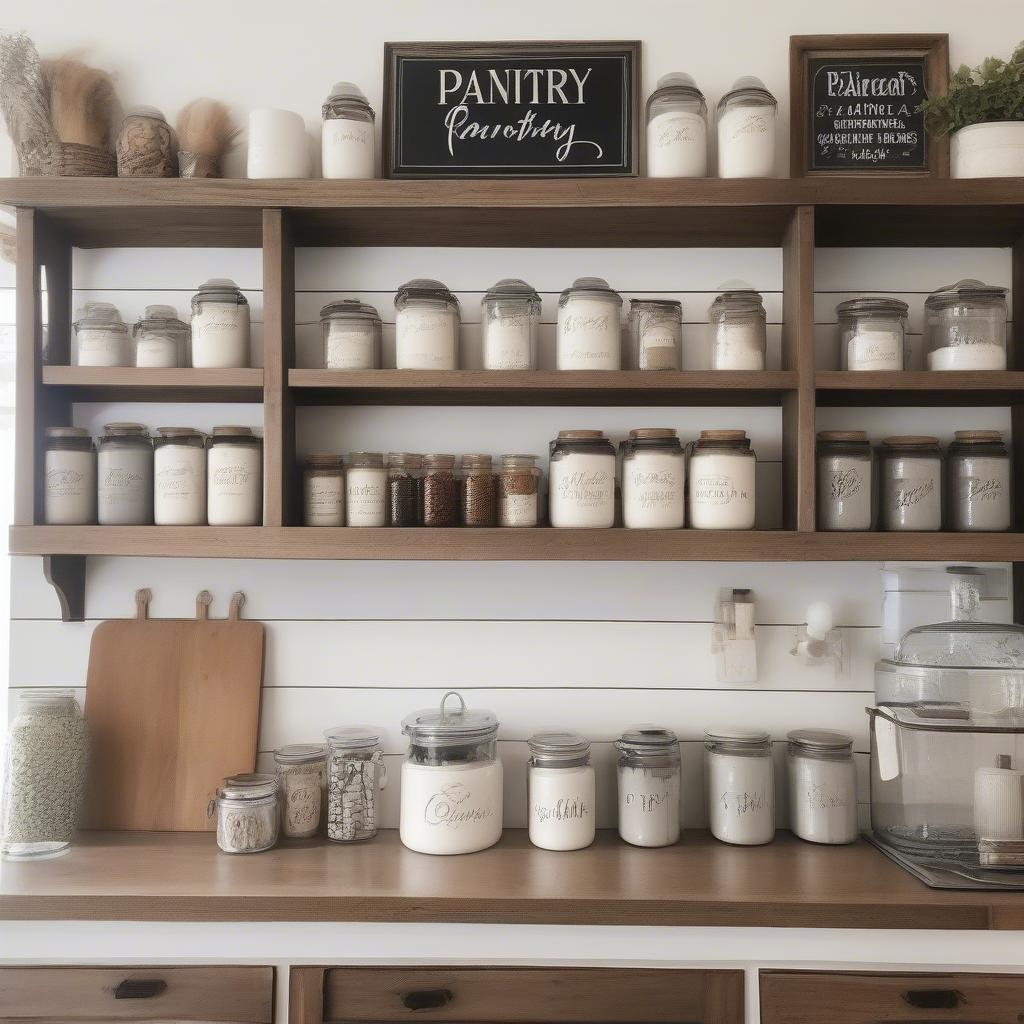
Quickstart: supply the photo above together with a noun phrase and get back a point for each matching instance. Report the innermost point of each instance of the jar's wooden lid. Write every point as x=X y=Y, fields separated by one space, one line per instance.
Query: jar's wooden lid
x=723 y=435
x=641 y=433
x=842 y=435
x=909 y=441
x=66 y=432
x=324 y=459
x=978 y=436
x=124 y=428
x=580 y=435
x=232 y=430
x=179 y=432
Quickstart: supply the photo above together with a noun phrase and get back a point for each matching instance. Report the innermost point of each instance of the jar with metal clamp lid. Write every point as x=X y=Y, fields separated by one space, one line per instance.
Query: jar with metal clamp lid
x=247 y=813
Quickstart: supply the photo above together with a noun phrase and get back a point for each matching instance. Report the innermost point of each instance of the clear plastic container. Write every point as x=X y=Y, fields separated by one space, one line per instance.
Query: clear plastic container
x=965 y=327
x=347 y=149
x=356 y=773
x=871 y=334
x=510 y=317
x=655 y=334
x=351 y=334
x=561 y=791
x=160 y=339
x=738 y=330
x=677 y=129
x=101 y=336
x=589 y=332
x=653 y=480
x=746 y=130
x=845 y=480
x=248 y=813
x=649 y=774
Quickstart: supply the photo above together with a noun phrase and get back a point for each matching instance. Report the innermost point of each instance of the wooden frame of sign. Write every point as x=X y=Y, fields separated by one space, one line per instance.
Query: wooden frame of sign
x=511 y=109
x=852 y=100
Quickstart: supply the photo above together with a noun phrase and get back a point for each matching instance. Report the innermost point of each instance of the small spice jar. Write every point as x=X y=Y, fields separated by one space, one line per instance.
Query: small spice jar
x=159 y=338
x=145 y=145
x=352 y=335
x=44 y=775
x=366 y=484
x=845 y=484
x=69 y=467
x=723 y=471
x=356 y=773
x=440 y=488
x=478 y=492
x=655 y=334
x=248 y=816
x=978 y=482
x=346 y=147
x=561 y=792
x=451 y=780
x=581 y=486
x=124 y=477
x=871 y=334
x=234 y=477
x=405 y=478
x=510 y=314
x=179 y=477
x=738 y=330
x=426 y=326
x=101 y=336
x=653 y=480
x=740 y=782
x=518 y=491
x=965 y=327
x=910 y=470
x=300 y=782
x=589 y=334
x=649 y=773
x=746 y=130
x=220 y=325
x=822 y=786
x=323 y=490
x=677 y=129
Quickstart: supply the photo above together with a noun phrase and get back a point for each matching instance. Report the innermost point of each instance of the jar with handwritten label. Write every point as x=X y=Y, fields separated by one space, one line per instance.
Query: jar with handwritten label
x=347 y=141
x=69 y=472
x=738 y=330
x=160 y=339
x=740 y=781
x=124 y=480
x=965 y=327
x=655 y=334
x=518 y=491
x=910 y=470
x=300 y=780
x=426 y=326
x=845 y=480
x=561 y=791
x=746 y=130
x=510 y=319
x=979 y=482
x=649 y=774
x=871 y=334
x=581 y=482
x=722 y=475
x=589 y=332
x=101 y=336
x=234 y=477
x=220 y=325
x=653 y=480
x=822 y=786
x=451 y=798
x=323 y=490
x=366 y=488
x=179 y=477
x=352 y=335
x=677 y=129
x=356 y=773
x=248 y=815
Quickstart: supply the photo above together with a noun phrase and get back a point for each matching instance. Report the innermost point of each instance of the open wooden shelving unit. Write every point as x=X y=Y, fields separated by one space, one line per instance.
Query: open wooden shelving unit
x=796 y=215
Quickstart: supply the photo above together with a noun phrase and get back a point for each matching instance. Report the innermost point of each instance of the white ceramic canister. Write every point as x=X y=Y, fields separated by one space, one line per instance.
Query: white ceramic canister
x=351 y=334
x=722 y=475
x=179 y=477
x=979 y=482
x=589 y=332
x=510 y=319
x=994 y=149
x=220 y=325
x=649 y=773
x=426 y=326
x=234 y=477
x=160 y=339
x=101 y=336
x=581 y=480
x=69 y=489
x=677 y=129
x=124 y=478
x=740 y=780
x=653 y=480
x=346 y=146
x=323 y=490
x=746 y=130
x=279 y=146
x=366 y=490
x=561 y=791
x=822 y=786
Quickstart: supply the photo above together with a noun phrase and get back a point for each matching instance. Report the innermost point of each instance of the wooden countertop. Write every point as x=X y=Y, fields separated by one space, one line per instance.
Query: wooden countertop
x=184 y=877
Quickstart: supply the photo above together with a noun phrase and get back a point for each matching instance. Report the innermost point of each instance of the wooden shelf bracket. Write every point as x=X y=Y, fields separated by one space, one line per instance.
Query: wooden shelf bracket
x=66 y=574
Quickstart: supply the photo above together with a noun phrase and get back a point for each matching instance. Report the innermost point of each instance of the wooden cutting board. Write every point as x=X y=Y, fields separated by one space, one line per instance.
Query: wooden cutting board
x=173 y=706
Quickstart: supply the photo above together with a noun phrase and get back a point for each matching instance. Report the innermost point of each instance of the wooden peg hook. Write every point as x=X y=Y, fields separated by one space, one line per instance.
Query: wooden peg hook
x=142 y=599
x=237 y=601
x=203 y=601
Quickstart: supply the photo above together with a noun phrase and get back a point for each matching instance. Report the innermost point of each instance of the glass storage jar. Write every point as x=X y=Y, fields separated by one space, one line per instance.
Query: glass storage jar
x=740 y=783
x=451 y=780
x=346 y=146
x=738 y=330
x=124 y=477
x=677 y=129
x=561 y=791
x=655 y=334
x=234 y=468
x=405 y=481
x=146 y=145
x=426 y=326
x=323 y=488
x=510 y=315
x=160 y=339
x=69 y=467
x=845 y=484
x=248 y=815
x=910 y=469
x=478 y=491
x=101 y=336
x=871 y=334
x=746 y=130
x=220 y=325
x=581 y=484
x=300 y=783
x=648 y=775
x=179 y=477
x=589 y=335
x=366 y=484
x=356 y=773
x=722 y=481
x=965 y=327
x=978 y=482
x=44 y=775
x=440 y=491
x=518 y=491
x=822 y=786
x=351 y=333
x=653 y=480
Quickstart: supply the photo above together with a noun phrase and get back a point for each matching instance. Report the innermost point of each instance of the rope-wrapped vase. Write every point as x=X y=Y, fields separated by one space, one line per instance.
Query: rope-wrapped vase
x=146 y=146
x=78 y=161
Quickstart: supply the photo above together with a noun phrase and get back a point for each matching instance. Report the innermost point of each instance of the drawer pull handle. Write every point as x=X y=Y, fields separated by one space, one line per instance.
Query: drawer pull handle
x=427 y=999
x=934 y=998
x=141 y=988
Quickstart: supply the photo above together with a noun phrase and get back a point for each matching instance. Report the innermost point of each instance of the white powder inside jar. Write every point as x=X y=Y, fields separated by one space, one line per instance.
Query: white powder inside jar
x=156 y=351
x=426 y=339
x=657 y=349
x=589 y=335
x=234 y=484
x=653 y=490
x=347 y=148
x=508 y=342
x=823 y=800
x=561 y=807
x=179 y=491
x=350 y=346
x=69 y=498
x=722 y=491
x=911 y=493
x=844 y=493
x=220 y=335
x=738 y=346
x=324 y=499
x=677 y=145
x=649 y=805
x=979 y=493
x=741 y=804
x=746 y=142
x=366 y=498
x=582 y=490
x=125 y=485
x=102 y=346
x=980 y=356
x=869 y=349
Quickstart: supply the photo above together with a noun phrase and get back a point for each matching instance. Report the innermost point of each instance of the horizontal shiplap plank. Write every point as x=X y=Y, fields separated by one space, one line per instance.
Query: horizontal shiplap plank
x=185 y=269
x=905 y=269
x=201 y=415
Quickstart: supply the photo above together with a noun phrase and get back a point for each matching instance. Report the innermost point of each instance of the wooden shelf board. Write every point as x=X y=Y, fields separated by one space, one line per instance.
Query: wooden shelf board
x=919 y=387
x=129 y=383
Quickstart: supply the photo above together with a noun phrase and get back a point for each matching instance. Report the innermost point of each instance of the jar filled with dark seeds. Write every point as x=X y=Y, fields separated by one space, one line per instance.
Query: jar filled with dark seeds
x=405 y=477
x=478 y=491
x=440 y=491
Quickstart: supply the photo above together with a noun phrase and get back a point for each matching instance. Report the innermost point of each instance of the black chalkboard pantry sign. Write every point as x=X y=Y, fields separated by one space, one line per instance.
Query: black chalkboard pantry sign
x=529 y=109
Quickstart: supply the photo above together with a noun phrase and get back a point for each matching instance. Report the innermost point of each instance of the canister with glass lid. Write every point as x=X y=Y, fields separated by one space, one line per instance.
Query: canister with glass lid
x=356 y=773
x=871 y=333
x=518 y=491
x=160 y=339
x=965 y=327
x=323 y=488
x=366 y=484
x=677 y=129
x=589 y=333
x=746 y=130
x=845 y=484
x=740 y=781
x=179 y=477
x=351 y=334
x=655 y=334
x=124 y=478
x=560 y=791
x=220 y=325
x=300 y=781
x=347 y=140
x=510 y=315
x=581 y=482
x=648 y=775
x=722 y=475
x=69 y=468
x=978 y=482
x=451 y=780
x=101 y=336
x=234 y=485
x=738 y=330
x=653 y=480
x=426 y=326
x=822 y=786
x=248 y=816
x=910 y=496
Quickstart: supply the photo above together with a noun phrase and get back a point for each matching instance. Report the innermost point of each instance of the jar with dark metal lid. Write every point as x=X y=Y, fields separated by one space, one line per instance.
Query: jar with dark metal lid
x=581 y=491
x=405 y=482
x=478 y=491
x=247 y=812
x=560 y=791
x=589 y=332
x=979 y=482
x=510 y=315
x=738 y=329
x=746 y=130
x=220 y=325
x=822 y=786
x=351 y=334
x=323 y=488
x=871 y=333
x=653 y=480
x=677 y=129
x=440 y=491
x=426 y=326
x=234 y=486
x=965 y=327
x=69 y=471
x=910 y=470
x=101 y=336
x=347 y=149
x=125 y=476
x=649 y=775
x=723 y=473
x=740 y=782
x=160 y=339
x=845 y=480
x=179 y=477
x=655 y=334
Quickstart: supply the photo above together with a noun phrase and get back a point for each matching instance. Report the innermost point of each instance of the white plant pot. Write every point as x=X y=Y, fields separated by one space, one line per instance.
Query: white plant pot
x=992 y=150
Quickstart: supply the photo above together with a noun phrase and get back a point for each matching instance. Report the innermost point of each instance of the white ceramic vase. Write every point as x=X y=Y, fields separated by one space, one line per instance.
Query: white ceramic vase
x=992 y=150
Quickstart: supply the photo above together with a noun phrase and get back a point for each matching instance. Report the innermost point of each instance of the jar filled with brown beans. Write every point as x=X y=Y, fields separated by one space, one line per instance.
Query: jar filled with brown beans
x=518 y=484
x=405 y=472
x=478 y=495
x=440 y=491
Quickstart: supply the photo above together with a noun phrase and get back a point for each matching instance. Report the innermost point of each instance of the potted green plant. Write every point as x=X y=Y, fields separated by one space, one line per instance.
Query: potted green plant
x=983 y=114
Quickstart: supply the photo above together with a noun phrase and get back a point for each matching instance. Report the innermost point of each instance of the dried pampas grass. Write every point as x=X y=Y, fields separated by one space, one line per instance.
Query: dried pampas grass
x=25 y=102
x=205 y=134
x=81 y=102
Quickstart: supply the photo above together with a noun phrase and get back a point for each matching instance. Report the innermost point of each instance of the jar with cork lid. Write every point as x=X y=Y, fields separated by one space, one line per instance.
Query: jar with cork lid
x=589 y=333
x=655 y=334
x=581 y=484
x=979 y=482
x=124 y=480
x=653 y=480
x=323 y=489
x=440 y=491
x=351 y=334
x=69 y=471
x=738 y=330
x=234 y=486
x=518 y=491
x=478 y=491
x=160 y=339
x=845 y=480
x=910 y=495
x=722 y=481
x=179 y=477
x=510 y=316
x=347 y=149
x=677 y=129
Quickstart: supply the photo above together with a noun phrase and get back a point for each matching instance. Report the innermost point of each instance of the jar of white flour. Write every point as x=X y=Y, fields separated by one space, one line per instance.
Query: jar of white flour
x=560 y=791
x=649 y=773
x=589 y=333
x=722 y=474
x=426 y=326
x=234 y=488
x=740 y=782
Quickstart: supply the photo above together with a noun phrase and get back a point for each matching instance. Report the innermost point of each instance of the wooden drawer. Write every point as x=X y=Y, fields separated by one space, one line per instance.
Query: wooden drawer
x=219 y=995
x=813 y=997
x=539 y=995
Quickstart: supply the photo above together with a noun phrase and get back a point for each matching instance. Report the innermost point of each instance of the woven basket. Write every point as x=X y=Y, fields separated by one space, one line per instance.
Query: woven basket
x=77 y=161
x=197 y=165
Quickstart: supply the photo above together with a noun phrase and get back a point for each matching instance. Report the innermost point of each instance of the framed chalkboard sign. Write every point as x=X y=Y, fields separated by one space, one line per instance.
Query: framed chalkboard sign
x=474 y=110
x=854 y=104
